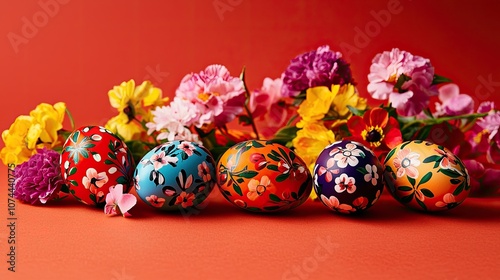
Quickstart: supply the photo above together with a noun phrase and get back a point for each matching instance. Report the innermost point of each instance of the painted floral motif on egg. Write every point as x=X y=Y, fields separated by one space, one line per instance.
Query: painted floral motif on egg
x=92 y=160
x=348 y=177
x=261 y=176
x=177 y=175
x=425 y=176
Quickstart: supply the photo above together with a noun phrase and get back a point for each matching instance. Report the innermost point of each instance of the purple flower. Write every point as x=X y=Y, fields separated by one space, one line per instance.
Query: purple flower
x=321 y=67
x=39 y=179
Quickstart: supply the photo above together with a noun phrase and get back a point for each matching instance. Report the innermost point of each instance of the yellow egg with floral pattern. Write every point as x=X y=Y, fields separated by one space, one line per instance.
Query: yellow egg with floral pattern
x=425 y=176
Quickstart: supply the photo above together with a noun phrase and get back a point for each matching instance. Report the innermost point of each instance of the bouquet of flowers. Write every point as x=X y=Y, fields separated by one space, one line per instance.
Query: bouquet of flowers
x=314 y=103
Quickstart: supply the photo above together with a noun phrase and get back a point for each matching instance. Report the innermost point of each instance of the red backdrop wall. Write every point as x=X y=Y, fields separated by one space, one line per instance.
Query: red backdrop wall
x=75 y=51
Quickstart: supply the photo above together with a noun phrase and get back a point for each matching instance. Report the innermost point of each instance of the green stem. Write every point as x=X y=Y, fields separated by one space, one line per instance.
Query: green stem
x=247 y=96
x=71 y=120
x=444 y=119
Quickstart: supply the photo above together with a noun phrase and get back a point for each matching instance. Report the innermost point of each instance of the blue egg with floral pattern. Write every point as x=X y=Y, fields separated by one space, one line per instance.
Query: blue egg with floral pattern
x=348 y=177
x=177 y=175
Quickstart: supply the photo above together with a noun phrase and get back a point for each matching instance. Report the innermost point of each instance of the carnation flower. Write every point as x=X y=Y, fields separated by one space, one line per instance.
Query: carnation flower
x=39 y=179
x=402 y=78
x=453 y=102
x=321 y=67
x=217 y=95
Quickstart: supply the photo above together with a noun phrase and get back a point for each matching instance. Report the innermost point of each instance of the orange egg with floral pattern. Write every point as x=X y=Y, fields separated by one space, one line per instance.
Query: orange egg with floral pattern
x=425 y=176
x=261 y=176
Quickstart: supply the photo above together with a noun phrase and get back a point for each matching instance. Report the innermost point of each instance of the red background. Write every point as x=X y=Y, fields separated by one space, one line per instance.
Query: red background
x=84 y=48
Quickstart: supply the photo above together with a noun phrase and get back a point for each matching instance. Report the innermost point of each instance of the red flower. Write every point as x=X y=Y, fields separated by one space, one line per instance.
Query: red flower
x=375 y=130
x=259 y=160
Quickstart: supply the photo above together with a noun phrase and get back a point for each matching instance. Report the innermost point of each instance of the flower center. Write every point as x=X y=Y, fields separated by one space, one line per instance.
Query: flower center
x=374 y=135
x=205 y=96
x=129 y=111
x=347 y=153
x=260 y=189
x=406 y=163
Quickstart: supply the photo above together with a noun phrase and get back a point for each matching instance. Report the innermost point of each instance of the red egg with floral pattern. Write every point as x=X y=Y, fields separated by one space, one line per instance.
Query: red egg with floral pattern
x=426 y=177
x=93 y=159
x=261 y=176
x=348 y=177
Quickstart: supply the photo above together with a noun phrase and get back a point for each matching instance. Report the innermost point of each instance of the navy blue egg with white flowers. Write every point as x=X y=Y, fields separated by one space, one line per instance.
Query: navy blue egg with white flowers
x=348 y=177
x=177 y=175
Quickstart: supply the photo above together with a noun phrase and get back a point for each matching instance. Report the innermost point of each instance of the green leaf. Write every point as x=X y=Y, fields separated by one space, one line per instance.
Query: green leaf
x=292 y=155
x=112 y=155
x=440 y=79
x=425 y=178
x=257 y=144
x=389 y=155
x=122 y=180
x=401 y=80
x=272 y=167
x=72 y=171
x=107 y=161
x=244 y=120
x=450 y=173
x=285 y=135
x=427 y=192
x=248 y=174
x=273 y=157
x=272 y=208
x=302 y=188
x=411 y=180
x=362 y=170
x=405 y=188
x=282 y=177
x=459 y=189
x=455 y=181
x=356 y=111
x=432 y=159
x=237 y=189
x=254 y=209
x=240 y=180
x=274 y=197
x=421 y=204
x=75 y=136
x=74 y=183
x=283 y=153
x=226 y=192
x=407 y=199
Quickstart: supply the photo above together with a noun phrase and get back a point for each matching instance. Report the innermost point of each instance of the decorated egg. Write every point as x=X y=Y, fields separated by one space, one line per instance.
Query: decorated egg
x=177 y=175
x=92 y=160
x=426 y=176
x=348 y=177
x=261 y=176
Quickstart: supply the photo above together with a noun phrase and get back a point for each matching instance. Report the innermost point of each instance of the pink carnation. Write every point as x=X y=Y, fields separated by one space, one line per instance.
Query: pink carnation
x=268 y=106
x=410 y=96
x=217 y=95
x=453 y=102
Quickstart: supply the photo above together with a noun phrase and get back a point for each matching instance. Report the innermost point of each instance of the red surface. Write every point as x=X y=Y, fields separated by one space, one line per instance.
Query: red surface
x=87 y=47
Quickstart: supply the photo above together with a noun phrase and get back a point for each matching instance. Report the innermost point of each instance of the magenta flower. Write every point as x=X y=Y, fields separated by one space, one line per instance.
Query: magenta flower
x=217 y=95
x=118 y=202
x=321 y=67
x=39 y=179
x=491 y=123
x=453 y=103
x=403 y=79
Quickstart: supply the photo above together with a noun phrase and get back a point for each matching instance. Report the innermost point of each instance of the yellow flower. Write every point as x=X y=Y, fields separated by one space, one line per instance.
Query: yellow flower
x=311 y=140
x=50 y=120
x=131 y=100
x=315 y=106
x=28 y=133
x=342 y=97
x=128 y=130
